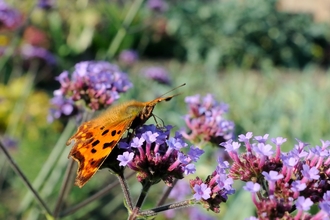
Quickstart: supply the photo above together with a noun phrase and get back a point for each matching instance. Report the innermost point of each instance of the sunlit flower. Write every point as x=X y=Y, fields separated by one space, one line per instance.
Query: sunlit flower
x=128 y=57
x=9 y=17
x=215 y=189
x=157 y=156
x=96 y=83
x=298 y=178
x=205 y=120
x=158 y=74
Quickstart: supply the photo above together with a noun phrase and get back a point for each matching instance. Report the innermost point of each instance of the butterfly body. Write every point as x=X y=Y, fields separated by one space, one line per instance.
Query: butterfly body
x=95 y=139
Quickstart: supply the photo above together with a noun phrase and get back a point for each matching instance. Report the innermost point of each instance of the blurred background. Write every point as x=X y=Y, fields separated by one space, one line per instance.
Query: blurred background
x=268 y=60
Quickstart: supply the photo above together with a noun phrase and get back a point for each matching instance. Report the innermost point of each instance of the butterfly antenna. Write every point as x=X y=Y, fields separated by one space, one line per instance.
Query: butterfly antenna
x=173 y=90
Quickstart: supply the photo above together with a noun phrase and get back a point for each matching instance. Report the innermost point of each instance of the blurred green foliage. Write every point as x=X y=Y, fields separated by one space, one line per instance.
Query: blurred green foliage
x=248 y=34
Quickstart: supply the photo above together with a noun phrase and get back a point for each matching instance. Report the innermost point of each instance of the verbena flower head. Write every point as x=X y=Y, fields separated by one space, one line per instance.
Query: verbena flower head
x=9 y=17
x=28 y=52
x=205 y=120
x=215 y=189
x=128 y=57
x=46 y=4
x=156 y=156
x=97 y=84
x=158 y=74
x=294 y=179
x=157 y=5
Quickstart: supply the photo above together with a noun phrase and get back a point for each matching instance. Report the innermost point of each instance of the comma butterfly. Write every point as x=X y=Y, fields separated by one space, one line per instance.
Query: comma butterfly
x=95 y=139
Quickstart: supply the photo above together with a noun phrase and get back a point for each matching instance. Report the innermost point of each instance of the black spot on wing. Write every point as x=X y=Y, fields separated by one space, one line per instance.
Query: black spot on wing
x=119 y=131
x=95 y=143
x=106 y=145
x=105 y=132
x=113 y=133
x=93 y=151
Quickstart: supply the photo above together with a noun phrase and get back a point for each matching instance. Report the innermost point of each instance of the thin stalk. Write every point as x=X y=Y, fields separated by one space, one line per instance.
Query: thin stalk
x=25 y=180
x=176 y=205
x=64 y=188
x=48 y=165
x=121 y=33
x=125 y=189
x=90 y=199
x=139 y=203
x=166 y=194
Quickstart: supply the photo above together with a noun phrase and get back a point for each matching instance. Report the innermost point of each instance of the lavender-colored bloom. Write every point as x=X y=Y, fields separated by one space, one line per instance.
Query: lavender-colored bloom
x=9 y=17
x=310 y=173
x=158 y=74
x=157 y=156
x=46 y=4
x=245 y=138
x=251 y=218
x=97 y=83
x=157 y=5
x=196 y=214
x=272 y=176
x=61 y=107
x=189 y=169
x=278 y=140
x=325 y=207
x=298 y=186
x=261 y=139
x=175 y=144
x=303 y=203
x=29 y=52
x=202 y=192
x=222 y=164
x=137 y=142
x=289 y=160
x=263 y=149
x=326 y=196
x=232 y=146
x=125 y=158
x=150 y=137
x=252 y=187
x=194 y=153
x=128 y=57
x=180 y=190
x=205 y=120
x=9 y=142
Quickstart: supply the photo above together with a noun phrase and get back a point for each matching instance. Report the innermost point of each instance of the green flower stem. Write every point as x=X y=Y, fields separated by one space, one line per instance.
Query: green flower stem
x=127 y=195
x=177 y=205
x=90 y=199
x=64 y=188
x=25 y=180
x=48 y=165
x=135 y=213
x=116 y=42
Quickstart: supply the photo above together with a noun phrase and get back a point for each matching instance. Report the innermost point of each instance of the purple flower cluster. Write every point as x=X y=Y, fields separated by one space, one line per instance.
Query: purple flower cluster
x=46 y=4
x=156 y=156
x=296 y=179
x=28 y=51
x=128 y=57
x=205 y=120
x=9 y=17
x=158 y=74
x=157 y=5
x=95 y=83
x=215 y=189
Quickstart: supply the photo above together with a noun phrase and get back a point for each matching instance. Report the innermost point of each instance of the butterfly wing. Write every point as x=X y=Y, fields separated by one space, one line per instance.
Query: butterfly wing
x=93 y=144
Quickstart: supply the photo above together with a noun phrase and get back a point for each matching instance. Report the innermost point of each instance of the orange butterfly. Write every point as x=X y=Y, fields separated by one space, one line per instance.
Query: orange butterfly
x=95 y=139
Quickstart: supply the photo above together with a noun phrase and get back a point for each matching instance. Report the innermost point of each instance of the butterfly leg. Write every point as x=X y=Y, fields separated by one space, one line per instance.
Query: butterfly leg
x=157 y=124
